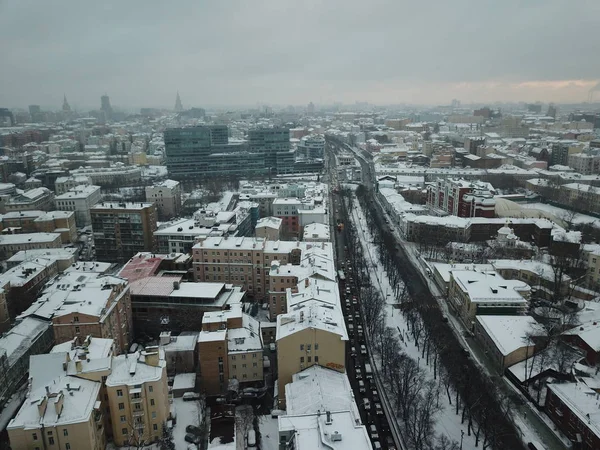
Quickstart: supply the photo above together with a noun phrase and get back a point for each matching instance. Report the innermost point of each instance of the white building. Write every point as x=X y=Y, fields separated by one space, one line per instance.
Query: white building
x=64 y=184
x=79 y=199
x=316 y=232
x=167 y=197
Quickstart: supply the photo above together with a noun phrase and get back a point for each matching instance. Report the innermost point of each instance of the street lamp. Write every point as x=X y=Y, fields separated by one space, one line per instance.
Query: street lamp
x=462 y=434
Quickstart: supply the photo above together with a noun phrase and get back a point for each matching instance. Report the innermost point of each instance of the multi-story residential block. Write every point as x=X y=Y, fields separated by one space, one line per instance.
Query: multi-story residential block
x=180 y=351
x=287 y=209
x=243 y=262
x=274 y=145
x=462 y=198
x=33 y=199
x=321 y=412
x=166 y=195
x=80 y=200
x=474 y=293
x=13 y=243
x=123 y=229
x=86 y=304
x=584 y=163
x=62 y=412
x=316 y=232
x=29 y=336
x=269 y=228
x=138 y=397
x=573 y=407
x=118 y=175
x=591 y=253
x=311 y=147
x=562 y=151
x=62 y=222
x=230 y=347
x=311 y=333
x=20 y=286
x=64 y=184
x=64 y=257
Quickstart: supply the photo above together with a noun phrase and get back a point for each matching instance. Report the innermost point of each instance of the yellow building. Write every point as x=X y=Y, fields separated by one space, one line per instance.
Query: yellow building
x=138 y=397
x=312 y=332
x=60 y=412
x=592 y=254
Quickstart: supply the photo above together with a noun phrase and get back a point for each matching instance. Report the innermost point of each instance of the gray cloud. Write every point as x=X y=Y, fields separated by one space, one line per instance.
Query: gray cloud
x=239 y=52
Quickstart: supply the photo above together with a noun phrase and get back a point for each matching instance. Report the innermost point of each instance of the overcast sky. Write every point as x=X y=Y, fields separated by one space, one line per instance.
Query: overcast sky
x=222 y=52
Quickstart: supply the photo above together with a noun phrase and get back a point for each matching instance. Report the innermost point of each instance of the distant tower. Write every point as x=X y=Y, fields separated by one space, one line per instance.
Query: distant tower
x=66 y=107
x=178 y=105
x=311 y=108
x=105 y=106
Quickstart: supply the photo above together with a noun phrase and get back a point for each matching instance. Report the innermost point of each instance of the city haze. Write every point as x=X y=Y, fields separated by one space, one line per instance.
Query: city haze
x=242 y=53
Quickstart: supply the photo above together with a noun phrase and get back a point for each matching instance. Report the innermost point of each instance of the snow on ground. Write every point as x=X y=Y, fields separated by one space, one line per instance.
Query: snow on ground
x=561 y=213
x=447 y=422
x=269 y=433
x=188 y=413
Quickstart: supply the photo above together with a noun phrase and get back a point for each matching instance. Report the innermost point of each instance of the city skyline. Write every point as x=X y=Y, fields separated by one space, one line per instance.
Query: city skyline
x=241 y=54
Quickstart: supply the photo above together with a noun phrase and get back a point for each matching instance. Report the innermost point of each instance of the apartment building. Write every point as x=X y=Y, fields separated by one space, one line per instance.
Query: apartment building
x=86 y=304
x=64 y=257
x=584 y=163
x=29 y=336
x=321 y=412
x=230 y=347
x=34 y=199
x=138 y=396
x=166 y=195
x=13 y=243
x=269 y=228
x=243 y=261
x=80 y=200
x=62 y=222
x=123 y=229
x=462 y=198
x=474 y=293
x=64 y=184
x=62 y=413
x=286 y=209
x=111 y=176
x=20 y=286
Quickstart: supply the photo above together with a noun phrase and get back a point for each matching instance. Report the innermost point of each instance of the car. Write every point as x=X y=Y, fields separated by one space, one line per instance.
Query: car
x=350 y=319
x=347 y=303
x=378 y=409
x=357 y=315
x=272 y=346
x=375 y=395
x=367 y=404
x=190 y=396
x=192 y=438
x=353 y=352
x=373 y=432
x=358 y=374
x=193 y=429
x=363 y=350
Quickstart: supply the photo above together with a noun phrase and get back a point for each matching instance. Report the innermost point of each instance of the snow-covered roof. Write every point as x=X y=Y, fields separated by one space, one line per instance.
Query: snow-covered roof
x=18 y=340
x=509 y=332
x=132 y=369
x=588 y=332
x=269 y=222
x=542 y=269
x=582 y=401
x=29 y=238
x=312 y=314
x=245 y=339
x=184 y=381
x=316 y=231
x=490 y=287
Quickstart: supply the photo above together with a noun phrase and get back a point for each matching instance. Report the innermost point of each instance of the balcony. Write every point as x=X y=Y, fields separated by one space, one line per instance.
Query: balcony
x=138 y=413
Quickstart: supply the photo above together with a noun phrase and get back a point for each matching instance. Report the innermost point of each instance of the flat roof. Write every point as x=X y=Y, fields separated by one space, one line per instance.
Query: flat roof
x=509 y=333
x=490 y=287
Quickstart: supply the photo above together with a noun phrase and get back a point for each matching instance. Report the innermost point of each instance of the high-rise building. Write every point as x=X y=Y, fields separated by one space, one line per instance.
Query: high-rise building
x=311 y=108
x=35 y=111
x=178 y=105
x=123 y=229
x=274 y=143
x=105 y=107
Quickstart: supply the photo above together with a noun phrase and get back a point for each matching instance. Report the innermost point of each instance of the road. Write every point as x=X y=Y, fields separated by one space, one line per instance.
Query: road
x=357 y=356
x=419 y=287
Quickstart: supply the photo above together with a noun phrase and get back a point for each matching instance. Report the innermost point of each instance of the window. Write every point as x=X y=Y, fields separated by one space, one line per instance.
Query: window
x=34 y=436
x=50 y=440
x=308 y=347
x=254 y=355
x=121 y=406
x=67 y=446
x=302 y=360
x=155 y=427
x=123 y=419
x=316 y=359
x=150 y=388
x=233 y=366
x=154 y=414
x=151 y=402
x=244 y=376
x=301 y=347
x=309 y=359
x=233 y=357
x=316 y=347
x=124 y=431
x=254 y=365
x=119 y=392
x=243 y=366
x=75 y=318
x=65 y=432
x=243 y=356
x=76 y=329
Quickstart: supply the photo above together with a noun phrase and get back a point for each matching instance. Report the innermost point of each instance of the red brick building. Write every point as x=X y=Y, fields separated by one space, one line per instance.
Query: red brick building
x=462 y=198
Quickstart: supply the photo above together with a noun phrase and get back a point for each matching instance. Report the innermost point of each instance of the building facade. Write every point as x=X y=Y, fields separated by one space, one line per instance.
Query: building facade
x=166 y=195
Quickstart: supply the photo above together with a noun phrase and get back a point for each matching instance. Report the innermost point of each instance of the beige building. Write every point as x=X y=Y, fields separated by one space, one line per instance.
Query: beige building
x=584 y=163
x=167 y=198
x=60 y=412
x=86 y=304
x=80 y=200
x=508 y=340
x=269 y=228
x=61 y=222
x=138 y=396
x=591 y=253
x=230 y=347
x=474 y=293
x=13 y=243
x=312 y=332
